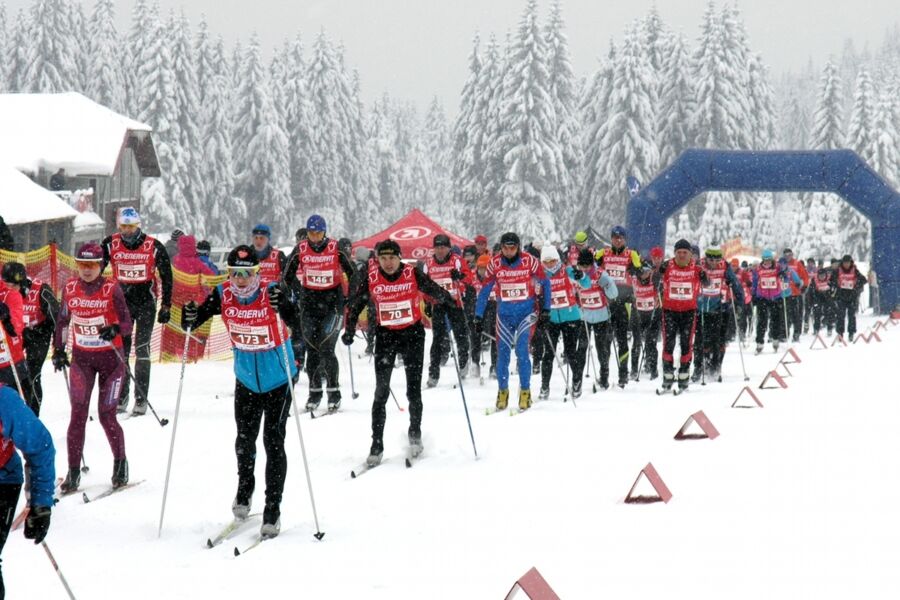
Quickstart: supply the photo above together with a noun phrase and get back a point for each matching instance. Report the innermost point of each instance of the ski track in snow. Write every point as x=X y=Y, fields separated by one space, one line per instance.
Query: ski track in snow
x=794 y=500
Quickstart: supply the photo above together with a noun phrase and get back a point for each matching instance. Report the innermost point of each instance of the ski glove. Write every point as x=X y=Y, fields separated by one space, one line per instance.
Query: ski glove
x=109 y=333
x=348 y=336
x=37 y=523
x=189 y=314
x=164 y=315
x=276 y=296
x=578 y=274
x=545 y=316
x=457 y=275
x=59 y=359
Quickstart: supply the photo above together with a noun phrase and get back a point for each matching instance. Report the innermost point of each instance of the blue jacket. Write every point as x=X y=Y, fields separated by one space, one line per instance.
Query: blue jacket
x=511 y=310
x=598 y=315
x=708 y=304
x=571 y=313
x=33 y=440
x=792 y=275
x=206 y=260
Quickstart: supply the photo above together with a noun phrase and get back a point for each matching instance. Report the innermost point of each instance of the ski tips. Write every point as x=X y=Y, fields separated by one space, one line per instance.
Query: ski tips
x=319 y=535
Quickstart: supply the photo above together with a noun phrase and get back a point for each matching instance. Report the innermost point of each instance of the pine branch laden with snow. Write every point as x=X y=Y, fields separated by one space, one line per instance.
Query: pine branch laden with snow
x=105 y=75
x=5 y=52
x=677 y=104
x=53 y=55
x=298 y=117
x=17 y=53
x=467 y=136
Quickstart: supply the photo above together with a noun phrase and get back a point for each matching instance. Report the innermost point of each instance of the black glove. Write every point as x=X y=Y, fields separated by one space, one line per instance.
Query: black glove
x=189 y=313
x=457 y=275
x=37 y=523
x=428 y=306
x=59 y=359
x=348 y=337
x=4 y=311
x=545 y=316
x=164 y=315
x=109 y=333
x=578 y=274
x=276 y=296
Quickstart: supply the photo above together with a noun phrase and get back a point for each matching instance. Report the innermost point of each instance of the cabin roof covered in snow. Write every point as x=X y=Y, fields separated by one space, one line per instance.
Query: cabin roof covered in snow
x=69 y=131
x=27 y=202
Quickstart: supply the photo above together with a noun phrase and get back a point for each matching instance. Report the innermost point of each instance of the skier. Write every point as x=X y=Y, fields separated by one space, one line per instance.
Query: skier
x=489 y=320
x=565 y=321
x=766 y=288
x=811 y=270
x=848 y=283
x=515 y=274
x=13 y=367
x=794 y=301
x=481 y=245
x=579 y=243
x=394 y=290
x=622 y=264
x=39 y=310
x=715 y=313
x=451 y=273
x=95 y=309
x=822 y=300
x=646 y=314
x=597 y=289
x=203 y=250
x=136 y=259
x=680 y=284
x=21 y=430
x=317 y=272
x=272 y=261
x=259 y=343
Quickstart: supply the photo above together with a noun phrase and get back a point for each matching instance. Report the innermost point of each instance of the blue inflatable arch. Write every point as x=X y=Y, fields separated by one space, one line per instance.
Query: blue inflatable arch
x=840 y=172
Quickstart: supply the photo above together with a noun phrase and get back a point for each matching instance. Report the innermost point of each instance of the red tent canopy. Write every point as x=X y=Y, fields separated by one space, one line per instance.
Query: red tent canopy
x=415 y=233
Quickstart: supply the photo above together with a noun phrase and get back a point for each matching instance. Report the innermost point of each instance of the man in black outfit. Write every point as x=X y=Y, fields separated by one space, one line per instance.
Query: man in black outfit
x=394 y=289
x=848 y=283
x=136 y=259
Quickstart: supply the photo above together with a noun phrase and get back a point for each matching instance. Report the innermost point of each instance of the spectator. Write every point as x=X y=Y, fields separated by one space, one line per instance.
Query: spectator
x=6 y=238
x=203 y=250
x=874 y=299
x=58 y=181
x=172 y=244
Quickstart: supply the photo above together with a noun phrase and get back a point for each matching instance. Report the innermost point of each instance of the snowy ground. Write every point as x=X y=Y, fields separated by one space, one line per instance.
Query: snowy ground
x=795 y=500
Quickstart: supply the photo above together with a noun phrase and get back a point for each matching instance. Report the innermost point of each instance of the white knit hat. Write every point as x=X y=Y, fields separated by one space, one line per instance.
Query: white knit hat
x=549 y=252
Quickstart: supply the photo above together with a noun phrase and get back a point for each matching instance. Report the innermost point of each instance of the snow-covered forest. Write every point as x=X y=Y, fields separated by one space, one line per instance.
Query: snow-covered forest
x=247 y=134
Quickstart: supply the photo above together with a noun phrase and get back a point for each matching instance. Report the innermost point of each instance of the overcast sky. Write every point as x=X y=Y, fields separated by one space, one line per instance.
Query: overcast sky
x=416 y=49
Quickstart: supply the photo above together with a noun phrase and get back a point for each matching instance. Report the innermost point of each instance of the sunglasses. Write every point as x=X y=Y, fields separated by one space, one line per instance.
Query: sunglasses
x=242 y=271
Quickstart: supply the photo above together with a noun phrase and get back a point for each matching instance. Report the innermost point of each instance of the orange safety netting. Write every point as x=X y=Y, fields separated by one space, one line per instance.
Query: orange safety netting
x=209 y=342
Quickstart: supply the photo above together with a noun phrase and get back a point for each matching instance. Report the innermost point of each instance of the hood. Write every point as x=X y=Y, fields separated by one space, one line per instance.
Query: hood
x=187 y=246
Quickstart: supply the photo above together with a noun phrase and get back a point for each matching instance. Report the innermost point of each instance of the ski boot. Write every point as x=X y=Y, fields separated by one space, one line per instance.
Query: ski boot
x=576 y=389
x=72 y=481
x=492 y=373
x=240 y=508
x=775 y=345
x=432 y=381
x=140 y=408
x=120 y=472
x=123 y=405
x=271 y=525
x=604 y=381
x=334 y=402
x=683 y=381
x=415 y=442
x=654 y=374
x=502 y=399
x=544 y=393
x=313 y=403
x=524 y=399
x=668 y=381
x=698 y=373
x=850 y=337
x=623 y=380
x=536 y=368
x=759 y=348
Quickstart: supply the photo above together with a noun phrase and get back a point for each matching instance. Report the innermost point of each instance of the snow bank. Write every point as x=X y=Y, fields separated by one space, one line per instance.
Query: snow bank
x=24 y=201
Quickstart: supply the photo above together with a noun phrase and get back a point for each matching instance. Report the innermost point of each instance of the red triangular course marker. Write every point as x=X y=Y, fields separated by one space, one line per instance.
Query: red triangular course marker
x=874 y=336
x=818 y=339
x=751 y=394
x=795 y=358
x=778 y=379
x=787 y=372
x=838 y=339
x=861 y=336
x=880 y=325
x=534 y=586
x=707 y=429
x=662 y=492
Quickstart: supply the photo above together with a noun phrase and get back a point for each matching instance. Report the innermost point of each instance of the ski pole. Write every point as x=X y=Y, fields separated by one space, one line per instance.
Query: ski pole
x=702 y=349
x=593 y=367
x=58 y=570
x=459 y=378
x=65 y=373
x=184 y=353
x=552 y=348
x=740 y=349
x=319 y=534
x=12 y=365
x=784 y=310
x=397 y=402
x=352 y=382
x=162 y=422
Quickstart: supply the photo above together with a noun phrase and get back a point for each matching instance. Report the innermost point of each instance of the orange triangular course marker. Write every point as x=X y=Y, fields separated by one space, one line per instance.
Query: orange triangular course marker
x=707 y=429
x=662 y=492
x=534 y=585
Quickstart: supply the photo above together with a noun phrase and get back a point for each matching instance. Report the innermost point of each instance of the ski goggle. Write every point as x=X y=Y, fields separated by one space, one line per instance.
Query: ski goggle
x=84 y=264
x=242 y=271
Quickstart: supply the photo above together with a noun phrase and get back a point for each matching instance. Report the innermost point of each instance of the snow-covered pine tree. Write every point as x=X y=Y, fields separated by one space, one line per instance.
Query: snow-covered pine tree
x=4 y=50
x=298 y=119
x=137 y=39
x=189 y=122
x=387 y=169
x=527 y=139
x=563 y=92
x=52 y=62
x=226 y=213
x=677 y=104
x=764 y=235
x=105 y=76
x=796 y=135
x=466 y=139
x=484 y=185
x=886 y=144
x=78 y=41
x=164 y=205
x=17 y=53
x=628 y=136
x=655 y=40
x=435 y=140
x=684 y=229
x=861 y=138
x=262 y=153
x=594 y=109
x=204 y=54
x=278 y=75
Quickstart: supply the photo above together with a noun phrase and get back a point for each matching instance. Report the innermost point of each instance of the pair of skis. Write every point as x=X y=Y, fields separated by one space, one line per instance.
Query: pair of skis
x=234 y=527
x=413 y=455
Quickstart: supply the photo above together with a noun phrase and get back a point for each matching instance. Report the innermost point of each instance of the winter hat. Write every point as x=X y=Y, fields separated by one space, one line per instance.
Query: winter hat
x=847 y=258
x=548 y=252
x=735 y=263
x=585 y=258
x=345 y=245
x=581 y=237
x=14 y=272
x=470 y=250
x=480 y=239
x=362 y=253
x=315 y=223
x=682 y=245
x=177 y=233
x=510 y=239
x=787 y=251
x=262 y=229
x=89 y=252
x=203 y=247
x=695 y=250
x=300 y=234
x=129 y=216
x=441 y=240
x=768 y=254
x=483 y=261
x=387 y=248
x=618 y=230
x=242 y=256
x=657 y=252
x=714 y=253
